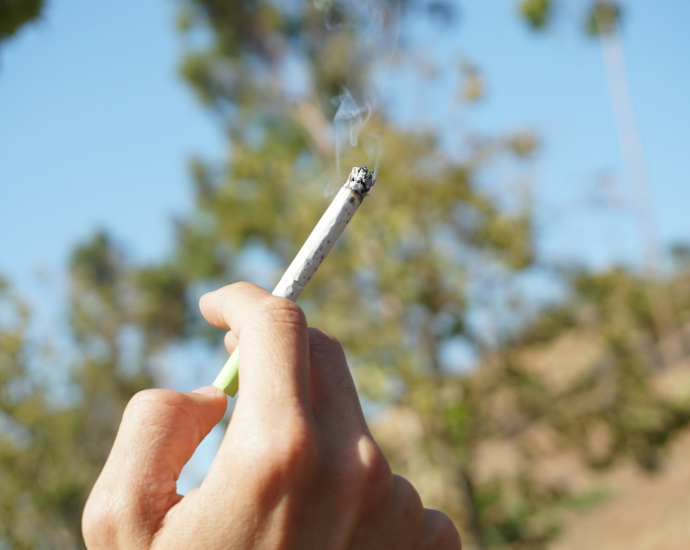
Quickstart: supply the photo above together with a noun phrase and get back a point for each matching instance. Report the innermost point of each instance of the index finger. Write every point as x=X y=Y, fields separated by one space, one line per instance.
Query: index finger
x=274 y=345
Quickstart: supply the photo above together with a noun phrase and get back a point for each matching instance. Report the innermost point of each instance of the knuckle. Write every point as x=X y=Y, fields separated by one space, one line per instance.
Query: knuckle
x=281 y=311
x=328 y=358
x=164 y=409
x=112 y=514
x=325 y=345
x=377 y=471
x=140 y=405
x=441 y=532
x=145 y=402
x=99 y=519
x=294 y=452
x=409 y=501
x=365 y=475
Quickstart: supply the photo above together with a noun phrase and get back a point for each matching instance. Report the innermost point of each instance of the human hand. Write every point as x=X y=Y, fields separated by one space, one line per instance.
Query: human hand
x=297 y=469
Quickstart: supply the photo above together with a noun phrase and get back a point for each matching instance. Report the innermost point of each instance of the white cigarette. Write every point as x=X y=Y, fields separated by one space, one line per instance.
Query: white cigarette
x=324 y=235
x=315 y=249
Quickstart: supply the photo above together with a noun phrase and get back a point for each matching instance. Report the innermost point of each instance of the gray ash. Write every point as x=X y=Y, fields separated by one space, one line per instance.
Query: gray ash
x=361 y=180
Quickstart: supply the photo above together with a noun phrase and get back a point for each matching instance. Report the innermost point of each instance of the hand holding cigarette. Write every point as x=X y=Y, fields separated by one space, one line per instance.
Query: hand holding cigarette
x=297 y=469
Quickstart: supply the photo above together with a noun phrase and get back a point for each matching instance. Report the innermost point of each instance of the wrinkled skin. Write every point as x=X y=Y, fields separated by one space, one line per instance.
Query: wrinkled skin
x=297 y=469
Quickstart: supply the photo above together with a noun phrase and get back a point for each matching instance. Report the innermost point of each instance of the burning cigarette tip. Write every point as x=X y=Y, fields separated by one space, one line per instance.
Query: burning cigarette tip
x=361 y=181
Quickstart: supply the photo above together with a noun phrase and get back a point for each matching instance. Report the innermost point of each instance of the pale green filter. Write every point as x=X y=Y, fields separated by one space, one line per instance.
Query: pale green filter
x=228 y=379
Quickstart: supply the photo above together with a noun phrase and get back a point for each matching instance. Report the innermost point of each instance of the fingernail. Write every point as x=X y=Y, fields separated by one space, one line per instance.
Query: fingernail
x=208 y=390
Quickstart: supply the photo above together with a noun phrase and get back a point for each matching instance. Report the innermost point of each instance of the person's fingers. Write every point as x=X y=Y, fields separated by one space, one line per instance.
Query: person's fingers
x=274 y=348
x=406 y=514
x=439 y=532
x=334 y=397
x=231 y=341
x=159 y=432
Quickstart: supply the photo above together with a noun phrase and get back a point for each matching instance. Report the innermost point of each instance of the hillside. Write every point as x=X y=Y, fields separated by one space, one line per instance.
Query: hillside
x=552 y=443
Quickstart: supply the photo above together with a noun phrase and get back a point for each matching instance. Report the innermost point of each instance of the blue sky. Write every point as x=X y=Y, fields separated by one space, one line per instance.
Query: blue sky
x=96 y=130
x=554 y=83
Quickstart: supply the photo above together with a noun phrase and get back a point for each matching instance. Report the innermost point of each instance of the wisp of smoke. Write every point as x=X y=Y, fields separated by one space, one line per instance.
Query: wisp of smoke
x=373 y=145
x=350 y=119
x=355 y=108
x=352 y=115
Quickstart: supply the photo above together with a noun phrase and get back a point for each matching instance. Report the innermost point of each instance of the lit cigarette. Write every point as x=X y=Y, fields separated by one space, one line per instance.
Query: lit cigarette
x=309 y=258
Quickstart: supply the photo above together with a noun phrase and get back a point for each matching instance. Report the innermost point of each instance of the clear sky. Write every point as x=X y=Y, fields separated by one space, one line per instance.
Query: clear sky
x=96 y=128
x=554 y=83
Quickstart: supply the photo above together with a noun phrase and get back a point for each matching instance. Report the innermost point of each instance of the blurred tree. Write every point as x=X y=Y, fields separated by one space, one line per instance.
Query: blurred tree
x=536 y=12
x=58 y=419
x=15 y=14
x=680 y=255
x=397 y=290
x=601 y=16
x=618 y=386
x=42 y=482
x=602 y=21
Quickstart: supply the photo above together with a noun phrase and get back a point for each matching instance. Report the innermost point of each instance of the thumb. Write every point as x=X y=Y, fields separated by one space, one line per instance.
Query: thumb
x=159 y=432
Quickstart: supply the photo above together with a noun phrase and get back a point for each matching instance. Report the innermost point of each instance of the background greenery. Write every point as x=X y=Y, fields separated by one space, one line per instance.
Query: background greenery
x=431 y=250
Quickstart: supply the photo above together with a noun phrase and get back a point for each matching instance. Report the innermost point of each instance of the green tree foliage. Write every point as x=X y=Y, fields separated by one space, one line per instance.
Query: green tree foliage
x=15 y=14
x=42 y=482
x=602 y=16
x=618 y=389
x=59 y=415
x=536 y=12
